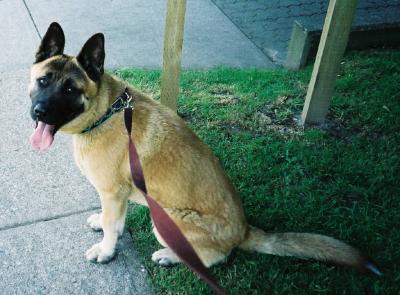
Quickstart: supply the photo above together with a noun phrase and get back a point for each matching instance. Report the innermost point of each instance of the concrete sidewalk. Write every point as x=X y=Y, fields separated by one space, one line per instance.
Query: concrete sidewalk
x=44 y=201
x=133 y=30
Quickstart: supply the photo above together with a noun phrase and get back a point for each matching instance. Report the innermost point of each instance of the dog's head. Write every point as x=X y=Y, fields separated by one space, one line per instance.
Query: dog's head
x=61 y=86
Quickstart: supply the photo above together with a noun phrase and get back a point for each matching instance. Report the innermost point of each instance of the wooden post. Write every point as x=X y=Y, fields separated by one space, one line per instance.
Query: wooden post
x=330 y=52
x=299 y=47
x=173 y=41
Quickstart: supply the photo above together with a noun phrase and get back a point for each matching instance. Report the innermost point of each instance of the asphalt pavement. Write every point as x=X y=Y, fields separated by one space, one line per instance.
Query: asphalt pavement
x=269 y=23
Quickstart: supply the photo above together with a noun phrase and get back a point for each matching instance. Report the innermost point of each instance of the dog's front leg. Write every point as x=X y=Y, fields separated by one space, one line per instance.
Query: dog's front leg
x=112 y=221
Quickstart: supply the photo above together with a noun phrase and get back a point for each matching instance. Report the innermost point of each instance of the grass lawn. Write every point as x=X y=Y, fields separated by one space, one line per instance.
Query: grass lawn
x=342 y=180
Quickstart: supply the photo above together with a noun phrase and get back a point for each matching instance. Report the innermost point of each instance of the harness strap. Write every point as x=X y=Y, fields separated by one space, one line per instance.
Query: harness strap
x=165 y=226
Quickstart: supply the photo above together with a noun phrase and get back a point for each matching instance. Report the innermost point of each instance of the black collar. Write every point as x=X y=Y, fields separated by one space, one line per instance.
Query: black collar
x=123 y=101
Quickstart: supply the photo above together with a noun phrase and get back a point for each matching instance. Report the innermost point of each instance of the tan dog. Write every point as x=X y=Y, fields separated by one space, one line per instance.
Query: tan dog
x=183 y=176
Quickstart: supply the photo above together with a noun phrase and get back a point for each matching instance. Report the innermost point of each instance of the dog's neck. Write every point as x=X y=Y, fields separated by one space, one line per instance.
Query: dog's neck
x=123 y=101
x=110 y=87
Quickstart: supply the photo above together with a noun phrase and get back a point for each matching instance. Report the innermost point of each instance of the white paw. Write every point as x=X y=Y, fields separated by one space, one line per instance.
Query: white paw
x=165 y=257
x=98 y=254
x=94 y=221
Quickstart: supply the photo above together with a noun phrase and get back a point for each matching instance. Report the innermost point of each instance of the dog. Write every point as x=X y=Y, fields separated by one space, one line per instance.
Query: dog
x=70 y=94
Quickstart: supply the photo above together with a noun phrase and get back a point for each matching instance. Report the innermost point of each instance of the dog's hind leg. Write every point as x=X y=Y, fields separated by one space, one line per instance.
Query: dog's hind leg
x=165 y=257
x=209 y=256
x=210 y=251
x=114 y=206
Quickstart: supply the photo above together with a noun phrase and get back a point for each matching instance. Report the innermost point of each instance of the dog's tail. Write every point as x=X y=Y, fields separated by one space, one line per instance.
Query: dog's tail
x=306 y=245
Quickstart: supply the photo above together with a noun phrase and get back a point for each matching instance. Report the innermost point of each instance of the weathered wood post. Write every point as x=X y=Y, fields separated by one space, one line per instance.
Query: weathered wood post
x=333 y=42
x=173 y=41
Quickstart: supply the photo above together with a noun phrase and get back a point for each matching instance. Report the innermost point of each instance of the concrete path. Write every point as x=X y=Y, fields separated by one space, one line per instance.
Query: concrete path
x=46 y=258
x=269 y=23
x=134 y=32
x=44 y=201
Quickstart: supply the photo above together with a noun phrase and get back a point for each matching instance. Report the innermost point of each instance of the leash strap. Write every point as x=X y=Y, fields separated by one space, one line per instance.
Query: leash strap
x=165 y=226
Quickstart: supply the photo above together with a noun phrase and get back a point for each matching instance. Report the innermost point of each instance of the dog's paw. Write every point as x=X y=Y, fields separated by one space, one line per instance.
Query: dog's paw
x=165 y=257
x=98 y=254
x=94 y=221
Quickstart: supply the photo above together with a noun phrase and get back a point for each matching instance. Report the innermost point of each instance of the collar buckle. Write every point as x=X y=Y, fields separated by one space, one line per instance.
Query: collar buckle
x=128 y=103
x=124 y=101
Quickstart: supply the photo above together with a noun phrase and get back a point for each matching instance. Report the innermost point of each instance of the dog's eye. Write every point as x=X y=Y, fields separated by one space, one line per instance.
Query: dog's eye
x=43 y=81
x=68 y=88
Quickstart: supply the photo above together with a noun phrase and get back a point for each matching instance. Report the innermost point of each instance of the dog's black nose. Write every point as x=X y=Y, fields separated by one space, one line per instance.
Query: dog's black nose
x=39 y=110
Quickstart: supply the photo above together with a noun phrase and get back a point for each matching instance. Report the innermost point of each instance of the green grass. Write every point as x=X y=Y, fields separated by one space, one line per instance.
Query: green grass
x=342 y=180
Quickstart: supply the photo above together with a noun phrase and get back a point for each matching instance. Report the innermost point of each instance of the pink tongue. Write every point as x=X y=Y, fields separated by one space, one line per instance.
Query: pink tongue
x=42 y=137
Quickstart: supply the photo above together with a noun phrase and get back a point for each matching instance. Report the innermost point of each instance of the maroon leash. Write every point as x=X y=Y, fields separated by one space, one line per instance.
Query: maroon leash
x=165 y=226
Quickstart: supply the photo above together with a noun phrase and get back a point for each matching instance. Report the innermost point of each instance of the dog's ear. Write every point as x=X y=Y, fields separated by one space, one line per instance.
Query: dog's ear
x=52 y=43
x=92 y=55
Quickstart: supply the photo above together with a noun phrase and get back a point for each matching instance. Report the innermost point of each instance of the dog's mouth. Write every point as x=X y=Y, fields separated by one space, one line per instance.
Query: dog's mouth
x=43 y=136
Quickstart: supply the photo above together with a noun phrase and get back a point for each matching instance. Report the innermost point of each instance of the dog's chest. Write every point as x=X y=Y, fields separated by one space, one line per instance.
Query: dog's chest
x=100 y=163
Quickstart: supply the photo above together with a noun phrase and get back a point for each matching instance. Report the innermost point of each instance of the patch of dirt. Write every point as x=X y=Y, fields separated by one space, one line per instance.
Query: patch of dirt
x=230 y=128
x=221 y=89
x=227 y=100
x=337 y=129
x=224 y=95
x=278 y=116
